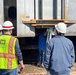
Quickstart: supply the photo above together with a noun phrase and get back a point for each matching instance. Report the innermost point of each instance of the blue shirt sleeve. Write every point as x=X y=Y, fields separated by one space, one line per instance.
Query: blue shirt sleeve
x=18 y=51
x=72 y=55
x=47 y=55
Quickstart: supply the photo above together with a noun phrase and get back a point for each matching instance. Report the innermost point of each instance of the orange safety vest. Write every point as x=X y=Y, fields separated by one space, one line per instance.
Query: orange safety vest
x=8 y=58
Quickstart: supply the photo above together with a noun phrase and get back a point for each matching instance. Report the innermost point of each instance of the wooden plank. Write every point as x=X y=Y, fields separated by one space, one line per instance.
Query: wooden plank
x=70 y=21
x=42 y=24
x=31 y=21
x=47 y=20
x=53 y=20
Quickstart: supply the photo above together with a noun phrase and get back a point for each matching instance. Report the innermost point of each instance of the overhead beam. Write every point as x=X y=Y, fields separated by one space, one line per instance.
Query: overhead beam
x=42 y=24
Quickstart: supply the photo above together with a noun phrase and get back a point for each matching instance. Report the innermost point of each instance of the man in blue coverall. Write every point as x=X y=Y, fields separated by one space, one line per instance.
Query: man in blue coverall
x=41 y=48
x=59 y=55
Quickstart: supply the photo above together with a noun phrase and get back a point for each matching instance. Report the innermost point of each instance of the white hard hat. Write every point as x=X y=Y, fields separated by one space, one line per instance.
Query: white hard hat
x=8 y=25
x=61 y=27
x=1 y=27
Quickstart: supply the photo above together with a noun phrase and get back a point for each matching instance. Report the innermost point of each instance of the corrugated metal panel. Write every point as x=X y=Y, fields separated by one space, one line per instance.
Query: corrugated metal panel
x=37 y=11
x=51 y=9
x=27 y=9
x=47 y=9
x=71 y=10
x=71 y=15
x=59 y=9
x=71 y=30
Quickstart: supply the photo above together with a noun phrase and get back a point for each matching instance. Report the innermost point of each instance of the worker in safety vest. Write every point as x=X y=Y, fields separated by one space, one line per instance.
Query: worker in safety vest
x=59 y=55
x=1 y=29
x=9 y=51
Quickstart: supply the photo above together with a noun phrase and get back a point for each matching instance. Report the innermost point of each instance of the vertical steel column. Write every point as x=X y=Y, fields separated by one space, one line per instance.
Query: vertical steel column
x=34 y=9
x=54 y=9
x=62 y=9
x=40 y=3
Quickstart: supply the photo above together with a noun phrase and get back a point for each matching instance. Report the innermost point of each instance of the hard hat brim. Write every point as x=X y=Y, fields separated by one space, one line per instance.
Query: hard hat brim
x=1 y=28
x=8 y=28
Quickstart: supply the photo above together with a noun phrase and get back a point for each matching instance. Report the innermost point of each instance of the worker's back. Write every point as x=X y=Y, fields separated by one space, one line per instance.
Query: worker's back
x=62 y=54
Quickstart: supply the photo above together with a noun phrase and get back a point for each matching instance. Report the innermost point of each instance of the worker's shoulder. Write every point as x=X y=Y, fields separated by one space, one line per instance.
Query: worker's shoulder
x=68 y=40
x=62 y=38
x=15 y=37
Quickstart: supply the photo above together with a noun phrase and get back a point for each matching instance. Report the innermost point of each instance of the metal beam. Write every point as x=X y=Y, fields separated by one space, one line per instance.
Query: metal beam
x=34 y=9
x=54 y=9
x=62 y=9
x=40 y=8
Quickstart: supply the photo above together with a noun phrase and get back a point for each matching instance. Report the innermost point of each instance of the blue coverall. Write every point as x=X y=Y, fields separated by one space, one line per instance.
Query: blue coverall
x=41 y=46
x=59 y=56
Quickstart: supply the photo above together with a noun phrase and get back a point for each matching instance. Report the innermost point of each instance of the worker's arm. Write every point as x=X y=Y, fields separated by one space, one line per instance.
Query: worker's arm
x=72 y=55
x=47 y=55
x=22 y=65
x=19 y=54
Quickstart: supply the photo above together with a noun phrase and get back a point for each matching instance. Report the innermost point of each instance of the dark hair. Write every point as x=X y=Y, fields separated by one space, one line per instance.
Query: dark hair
x=58 y=33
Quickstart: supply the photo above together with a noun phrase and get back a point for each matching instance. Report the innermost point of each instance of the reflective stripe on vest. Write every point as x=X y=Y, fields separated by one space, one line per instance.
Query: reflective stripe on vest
x=10 y=54
x=7 y=55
